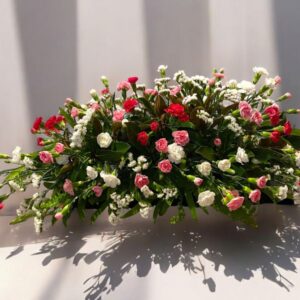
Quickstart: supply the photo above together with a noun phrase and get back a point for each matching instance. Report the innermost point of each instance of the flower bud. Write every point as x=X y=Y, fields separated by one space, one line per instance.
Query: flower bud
x=94 y=94
x=285 y=97
x=293 y=111
x=105 y=81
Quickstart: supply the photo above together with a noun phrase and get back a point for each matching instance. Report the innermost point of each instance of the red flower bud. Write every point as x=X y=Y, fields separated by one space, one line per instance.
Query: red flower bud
x=275 y=136
x=287 y=128
x=143 y=138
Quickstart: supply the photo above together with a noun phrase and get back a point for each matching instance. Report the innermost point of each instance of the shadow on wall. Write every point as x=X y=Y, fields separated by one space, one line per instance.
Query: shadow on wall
x=48 y=38
x=275 y=244
x=177 y=34
x=287 y=36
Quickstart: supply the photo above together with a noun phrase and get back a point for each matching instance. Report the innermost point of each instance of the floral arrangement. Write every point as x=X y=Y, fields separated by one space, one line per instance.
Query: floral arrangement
x=195 y=142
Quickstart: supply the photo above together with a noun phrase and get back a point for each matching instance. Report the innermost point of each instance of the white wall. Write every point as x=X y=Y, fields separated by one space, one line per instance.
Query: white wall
x=50 y=50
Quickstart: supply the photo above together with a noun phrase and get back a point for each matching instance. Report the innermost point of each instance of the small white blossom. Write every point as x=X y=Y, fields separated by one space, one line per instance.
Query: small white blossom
x=246 y=87
x=146 y=191
x=110 y=179
x=15 y=186
x=297 y=157
x=204 y=116
x=296 y=197
x=261 y=71
x=36 y=180
x=113 y=219
x=28 y=163
x=189 y=99
x=282 y=192
x=162 y=68
x=145 y=212
x=16 y=155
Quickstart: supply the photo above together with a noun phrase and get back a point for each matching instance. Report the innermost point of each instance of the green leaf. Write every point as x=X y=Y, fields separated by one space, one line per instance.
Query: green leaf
x=179 y=216
x=131 y=212
x=4 y=197
x=295 y=132
x=294 y=140
x=22 y=218
x=69 y=119
x=120 y=147
x=14 y=174
x=191 y=205
x=4 y=156
x=206 y=152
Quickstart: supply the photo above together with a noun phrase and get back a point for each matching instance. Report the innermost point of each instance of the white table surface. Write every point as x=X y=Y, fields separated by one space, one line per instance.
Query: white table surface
x=138 y=260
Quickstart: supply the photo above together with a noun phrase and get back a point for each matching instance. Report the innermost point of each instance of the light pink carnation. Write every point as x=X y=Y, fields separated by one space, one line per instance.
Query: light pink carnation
x=141 y=180
x=262 y=181
x=46 y=157
x=198 y=181
x=217 y=142
x=165 y=166
x=256 y=117
x=118 y=115
x=245 y=110
x=58 y=216
x=175 y=90
x=59 y=148
x=123 y=85
x=74 y=112
x=235 y=203
x=255 y=195
x=181 y=137
x=152 y=92
x=68 y=187
x=161 y=145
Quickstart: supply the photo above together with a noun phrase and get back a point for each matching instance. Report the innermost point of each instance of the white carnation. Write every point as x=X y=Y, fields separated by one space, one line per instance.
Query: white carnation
x=246 y=86
x=28 y=163
x=145 y=212
x=296 y=197
x=261 y=71
x=104 y=140
x=204 y=168
x=297 y=158
x=224 y=164
x=110 y=179
x=146 y=191
x=91 y=172
x=282 y=192
x=241 y=156
x=176 y=153
x=206 y=198
x=16 y=155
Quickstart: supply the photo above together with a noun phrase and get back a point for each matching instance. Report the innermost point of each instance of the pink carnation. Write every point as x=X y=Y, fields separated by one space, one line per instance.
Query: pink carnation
x=58 y=216
x=198 y=181
x=46 y=157
x=123 y=85
x=161 y=145
x=141 y=180
x=68 y=187
x=165 y=166
x=175 y=90
x=74 y=112
x=256 y=117
x=235 y=203
x=97 y=190
x=245 y=110
x=217 y=142
x=277 y=80
x=151 y=92
x=118 y=115
x=181 y=137
x=262 y=181
x=255 y=195
x=59 y=148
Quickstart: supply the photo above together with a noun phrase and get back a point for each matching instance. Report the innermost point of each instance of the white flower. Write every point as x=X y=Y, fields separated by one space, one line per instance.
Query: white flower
x=204 y=168
x=296 y=197
x=176 y=153
x=15 y=186
x=104 y=140
x=246 y=86
x=282 y=192
x=110 y=179
x=206 y=198
x=162 y=68
x=241 y=156
x=16 y=155
x=189 y=99
x=146 y=191
x=145 y=212
x=36 y=180
x=91 y=172
x=270 y=82
x=204 y=116
x=261 y=71
x=124 y=122
x=62 y=159
x=113 y=219
x=28 y=163
x=224 y=164
x=231 y=83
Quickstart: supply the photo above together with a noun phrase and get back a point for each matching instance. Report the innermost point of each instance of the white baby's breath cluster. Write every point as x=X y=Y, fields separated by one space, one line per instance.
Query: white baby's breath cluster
x=168 y=193
x=233 y=125
x=139 y=164
x=204 y=116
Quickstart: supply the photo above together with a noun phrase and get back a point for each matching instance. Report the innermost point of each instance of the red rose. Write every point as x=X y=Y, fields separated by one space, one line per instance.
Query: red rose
x=130 y=104
x=143 y=138
x=275 y=136
x=287 y=128
x=36 y=124
x=132 y=80
x=40 y=141
x=154 y=125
